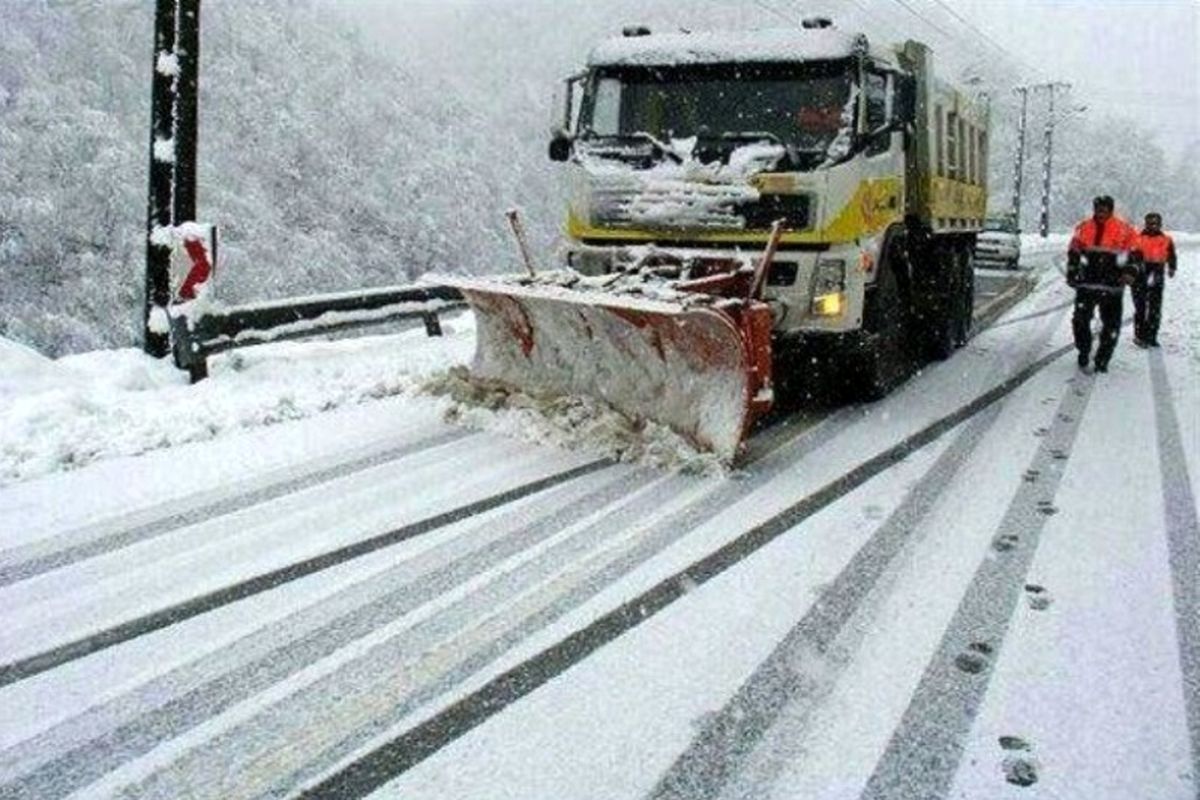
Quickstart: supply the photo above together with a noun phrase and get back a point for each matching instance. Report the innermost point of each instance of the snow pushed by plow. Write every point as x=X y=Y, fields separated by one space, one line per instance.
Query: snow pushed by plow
x=682 y=365
x=568 y=422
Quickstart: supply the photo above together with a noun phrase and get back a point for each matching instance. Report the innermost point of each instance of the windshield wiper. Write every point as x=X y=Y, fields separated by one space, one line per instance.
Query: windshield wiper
x=658 y=146
x=752 y=136
x=792 y=152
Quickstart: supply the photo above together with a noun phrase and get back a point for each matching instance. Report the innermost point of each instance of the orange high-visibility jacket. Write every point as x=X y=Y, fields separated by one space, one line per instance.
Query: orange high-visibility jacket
x=1116 y=237
x=1156 y=248
x=1103 y=250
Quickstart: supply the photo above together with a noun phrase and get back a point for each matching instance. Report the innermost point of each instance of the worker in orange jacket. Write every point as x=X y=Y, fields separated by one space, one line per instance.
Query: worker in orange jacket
x=1155 y=251
x=1099 y=267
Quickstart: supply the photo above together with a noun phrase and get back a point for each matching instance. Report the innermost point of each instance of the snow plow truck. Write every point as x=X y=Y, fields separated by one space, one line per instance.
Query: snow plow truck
x=744 y=205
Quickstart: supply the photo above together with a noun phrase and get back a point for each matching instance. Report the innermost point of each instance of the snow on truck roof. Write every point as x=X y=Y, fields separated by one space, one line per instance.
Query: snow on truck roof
x=724 y=47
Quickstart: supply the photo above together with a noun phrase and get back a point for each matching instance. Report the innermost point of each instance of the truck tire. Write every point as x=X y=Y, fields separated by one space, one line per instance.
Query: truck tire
x=883 y=360
x=940 y=311
x=947 y=314
x=965 y=316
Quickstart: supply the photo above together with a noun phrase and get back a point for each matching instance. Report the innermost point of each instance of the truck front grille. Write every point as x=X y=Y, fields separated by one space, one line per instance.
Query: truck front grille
x=686 y=205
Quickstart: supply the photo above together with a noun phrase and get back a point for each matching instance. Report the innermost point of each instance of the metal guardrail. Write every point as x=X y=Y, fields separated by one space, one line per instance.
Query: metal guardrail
x=195 y=338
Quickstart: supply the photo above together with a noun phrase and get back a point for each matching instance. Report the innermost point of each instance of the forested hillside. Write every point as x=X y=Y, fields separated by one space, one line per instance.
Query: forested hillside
x=324 y=163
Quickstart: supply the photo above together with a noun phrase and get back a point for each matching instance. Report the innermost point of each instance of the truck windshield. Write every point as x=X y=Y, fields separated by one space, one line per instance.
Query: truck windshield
x=802 y=106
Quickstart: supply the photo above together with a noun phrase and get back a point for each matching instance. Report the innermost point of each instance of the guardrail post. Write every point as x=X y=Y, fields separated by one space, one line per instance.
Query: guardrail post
x=187 y=349
x=433 y=326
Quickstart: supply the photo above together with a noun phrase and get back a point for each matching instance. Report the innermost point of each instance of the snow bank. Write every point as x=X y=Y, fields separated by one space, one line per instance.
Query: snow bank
x=58 y=415
x=24 y=370
x=64 y=414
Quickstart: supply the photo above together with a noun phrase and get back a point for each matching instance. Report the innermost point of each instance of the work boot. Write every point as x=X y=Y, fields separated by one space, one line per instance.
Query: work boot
x=1082 y=360
x=1154 y=343
x=1101 y=367
x=1142 y=343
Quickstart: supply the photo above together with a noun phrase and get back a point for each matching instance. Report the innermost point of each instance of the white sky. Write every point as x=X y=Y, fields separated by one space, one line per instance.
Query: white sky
x=1137 y=57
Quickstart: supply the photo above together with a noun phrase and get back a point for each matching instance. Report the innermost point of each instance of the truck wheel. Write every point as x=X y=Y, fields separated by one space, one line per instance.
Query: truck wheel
x=965 y=305
x=945 y=317
x=883 y=360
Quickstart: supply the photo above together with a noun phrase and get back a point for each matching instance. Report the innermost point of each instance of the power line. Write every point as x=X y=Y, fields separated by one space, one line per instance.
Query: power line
x=999 y=47
x=904 y=4
x=891 y=29
x=770 y=10
x=952 y=40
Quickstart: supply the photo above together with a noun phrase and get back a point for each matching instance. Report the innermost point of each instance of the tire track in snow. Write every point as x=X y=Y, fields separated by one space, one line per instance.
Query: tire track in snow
x=924 y=751
x=299 y=733
x=782 y=682
x=393 y=757
x=64 y=549
x=471 y=633
x=1034 y=314
x=139 y=626
x=1183 y=546
x=82 y=749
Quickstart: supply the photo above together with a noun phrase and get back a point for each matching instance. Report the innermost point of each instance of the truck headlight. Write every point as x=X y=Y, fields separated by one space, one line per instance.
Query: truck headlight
x=829 y=288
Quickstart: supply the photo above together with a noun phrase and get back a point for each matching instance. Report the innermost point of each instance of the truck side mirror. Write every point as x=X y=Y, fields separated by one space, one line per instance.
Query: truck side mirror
x=904 y=101
x=560 y=147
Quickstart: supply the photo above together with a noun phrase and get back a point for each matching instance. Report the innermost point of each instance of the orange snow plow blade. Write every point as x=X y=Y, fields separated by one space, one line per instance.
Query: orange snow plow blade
x=702 y=368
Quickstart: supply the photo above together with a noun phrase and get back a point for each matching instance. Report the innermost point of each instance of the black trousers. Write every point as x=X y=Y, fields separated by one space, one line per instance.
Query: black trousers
x=1147 y=303
x=1110 y=304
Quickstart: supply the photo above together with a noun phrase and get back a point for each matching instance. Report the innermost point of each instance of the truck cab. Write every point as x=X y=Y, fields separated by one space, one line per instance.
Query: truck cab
x=685 y=148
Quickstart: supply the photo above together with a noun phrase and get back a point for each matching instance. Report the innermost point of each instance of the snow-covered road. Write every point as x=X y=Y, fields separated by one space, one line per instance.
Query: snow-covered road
x=992 y=573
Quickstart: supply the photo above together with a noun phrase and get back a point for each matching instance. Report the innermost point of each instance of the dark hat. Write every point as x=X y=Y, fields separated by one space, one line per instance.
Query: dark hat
x=1154 y=216
x=1103 y=201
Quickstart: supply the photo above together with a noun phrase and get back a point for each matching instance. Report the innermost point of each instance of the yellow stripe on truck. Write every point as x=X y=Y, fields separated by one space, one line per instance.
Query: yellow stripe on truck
x=875 y=205
x=951 y=199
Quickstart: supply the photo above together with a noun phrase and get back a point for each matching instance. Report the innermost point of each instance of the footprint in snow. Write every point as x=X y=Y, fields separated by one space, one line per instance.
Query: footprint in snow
x=1041 y=432
x=975 y=659
x=1047 y=508
x=1031 y=475
x=1039 y=599
x=1013 y=743
x=1019 y=770
x=1006 y=542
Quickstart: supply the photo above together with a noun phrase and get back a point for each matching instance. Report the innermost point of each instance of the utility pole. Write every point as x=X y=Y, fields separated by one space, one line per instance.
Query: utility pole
x=1047 y=161
x=157 y=282
x=186 y=115
x=173 y=134
x=1019 y=163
